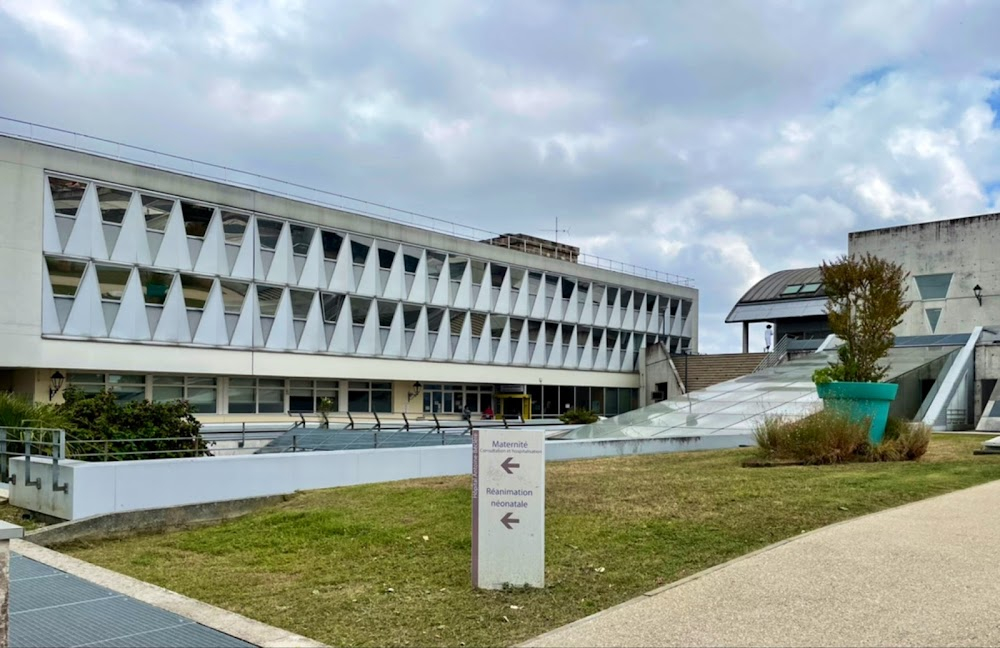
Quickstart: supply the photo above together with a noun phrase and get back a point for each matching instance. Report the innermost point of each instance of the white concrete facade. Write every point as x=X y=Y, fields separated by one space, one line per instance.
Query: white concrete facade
x=112 y=268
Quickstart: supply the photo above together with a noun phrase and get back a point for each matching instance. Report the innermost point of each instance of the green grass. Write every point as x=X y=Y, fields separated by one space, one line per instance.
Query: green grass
x=323 y=563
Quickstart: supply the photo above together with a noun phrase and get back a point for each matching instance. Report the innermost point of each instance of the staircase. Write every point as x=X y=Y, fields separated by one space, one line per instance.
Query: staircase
x=707 y=370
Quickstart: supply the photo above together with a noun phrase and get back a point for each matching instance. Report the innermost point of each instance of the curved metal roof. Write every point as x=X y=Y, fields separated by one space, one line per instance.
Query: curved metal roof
x=770 y=288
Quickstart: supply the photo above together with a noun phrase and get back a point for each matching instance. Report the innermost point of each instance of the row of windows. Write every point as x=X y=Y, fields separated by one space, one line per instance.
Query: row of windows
x=278 y=395
x=67 y=195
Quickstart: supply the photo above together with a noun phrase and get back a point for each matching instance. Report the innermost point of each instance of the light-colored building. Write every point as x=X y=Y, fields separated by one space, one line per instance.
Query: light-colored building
x=161 y=285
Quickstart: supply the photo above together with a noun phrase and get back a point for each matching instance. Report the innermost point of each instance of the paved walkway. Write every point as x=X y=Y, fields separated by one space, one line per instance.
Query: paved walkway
x=925 y=574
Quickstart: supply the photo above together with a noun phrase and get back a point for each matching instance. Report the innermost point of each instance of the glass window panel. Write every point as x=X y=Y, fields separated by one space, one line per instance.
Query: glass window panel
x=792 y=289
x=83 y=378
x=155 y=285
x=65 y=275
x=411 y=259
x=270 y=400
x=128 y=393
x=268 y=231
x=301 y=301
x=567 y=288
x=810 y=287
x=241 y=396
x=156 y=211
x=204 y=400
x=435 y=263
x=127 y=379
x=301 y=401
x=411 y=315
x=382 y=385
x=516 y=324
x=114 y=203
x=233 y=296
x=301 y=238
x=201 y=382
x=331 y=307
x=358 y=384
x=550 y=284
x=331 y=244
x=449 y=402
x=358 y=401
x=196 y=219
x=234 y=226
x=268 y=298
x=359 y=309
x=626 y=298
x=327 y=384
x=168 y=380
x=434 y=316
x=497 y=323
x=497 y=273
x=478 y=271
x=456 y=268
x=66 y=195
x=333 y=405
x=612 y=294
x=112 y=280
x=516 y=279
x=196 y=290
x=386 y=311
x=166 y=394
x=933 y=286
x=534 y=281
x=381 y=401
x=299 y=385
x=385 y=257
x=359 y=251
x=271 y=382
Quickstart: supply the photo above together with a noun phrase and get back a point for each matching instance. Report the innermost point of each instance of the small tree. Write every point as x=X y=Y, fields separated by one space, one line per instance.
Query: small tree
x=865 y=303
x=580 y=415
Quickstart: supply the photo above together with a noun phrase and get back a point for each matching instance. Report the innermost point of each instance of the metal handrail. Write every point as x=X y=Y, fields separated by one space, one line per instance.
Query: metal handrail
x=115 y=150
x=776 y=355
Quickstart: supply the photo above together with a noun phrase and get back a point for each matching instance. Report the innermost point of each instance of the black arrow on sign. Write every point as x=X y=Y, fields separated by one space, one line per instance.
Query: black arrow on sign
x=507 y=465
x=507 y=520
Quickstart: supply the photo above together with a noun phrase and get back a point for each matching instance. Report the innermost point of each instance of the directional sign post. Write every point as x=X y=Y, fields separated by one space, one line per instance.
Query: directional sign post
x=508 y=508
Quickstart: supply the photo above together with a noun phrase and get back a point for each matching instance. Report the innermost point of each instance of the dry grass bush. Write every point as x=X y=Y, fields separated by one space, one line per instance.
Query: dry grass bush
x=828 y=436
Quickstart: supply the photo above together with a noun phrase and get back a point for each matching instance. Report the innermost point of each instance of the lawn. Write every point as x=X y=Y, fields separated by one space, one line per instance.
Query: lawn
x=388 y=564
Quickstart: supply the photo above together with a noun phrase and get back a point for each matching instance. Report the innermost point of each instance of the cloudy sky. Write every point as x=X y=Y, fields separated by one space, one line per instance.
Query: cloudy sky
x=718 y=140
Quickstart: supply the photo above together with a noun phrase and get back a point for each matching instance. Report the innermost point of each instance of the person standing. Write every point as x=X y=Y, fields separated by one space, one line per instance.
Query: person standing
x=768 y=336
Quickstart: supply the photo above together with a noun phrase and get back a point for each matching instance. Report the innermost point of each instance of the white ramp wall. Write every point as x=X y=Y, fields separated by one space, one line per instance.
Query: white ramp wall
x=118 y=486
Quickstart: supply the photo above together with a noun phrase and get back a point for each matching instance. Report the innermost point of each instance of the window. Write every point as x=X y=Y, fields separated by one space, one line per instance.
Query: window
x=256 y=395
x=452 y=398
x=126 y=387
x=301 y=301
x=234 y=226
x=810 y=287
x=369 y=397
x=359 y=251
x=612 y=294
x=66 y=195
x=385 y=258
x=497 y=273
x=435 y=262
x=268 y=231
x=114 y=203
x=112 y=280
x=456 y=268
x=411 y=315
x=331 y=244
x=196 y=219
x=65 y=276
x=478 y=272
x=332 y=304
x=567 y=288
x=233 y=296
x=201 y=392
x=155 y=285
x=268 y=298
x=196 y=290
x=306 y=395
x=359 y=309
x=933 y=286
x=156 y=211
x=301 y=238
x=411 y=259
x=792 y=289
x=386 y=311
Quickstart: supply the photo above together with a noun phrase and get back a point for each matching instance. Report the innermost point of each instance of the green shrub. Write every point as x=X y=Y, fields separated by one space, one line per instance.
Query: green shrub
x=19 y=411
x=828 y=436
x=579 y=416
x=147 y=430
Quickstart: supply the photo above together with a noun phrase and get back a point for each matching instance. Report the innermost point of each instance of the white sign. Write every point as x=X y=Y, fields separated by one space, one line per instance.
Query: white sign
x=508 y=508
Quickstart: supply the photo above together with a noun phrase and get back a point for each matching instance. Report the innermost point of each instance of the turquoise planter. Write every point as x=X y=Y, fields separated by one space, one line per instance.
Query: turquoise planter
x=861 y=401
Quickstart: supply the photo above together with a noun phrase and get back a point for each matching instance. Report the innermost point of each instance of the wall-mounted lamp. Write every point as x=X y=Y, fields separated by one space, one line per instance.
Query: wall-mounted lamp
x=55 y=384
x=417 y=387
x=978 y=292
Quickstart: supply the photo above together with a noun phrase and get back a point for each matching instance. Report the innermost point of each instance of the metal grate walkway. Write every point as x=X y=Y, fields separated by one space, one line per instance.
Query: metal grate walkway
x=52 y=609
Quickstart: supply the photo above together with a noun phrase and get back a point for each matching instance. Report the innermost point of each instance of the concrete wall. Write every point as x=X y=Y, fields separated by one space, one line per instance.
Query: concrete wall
x=659 y=369
x=101 y=488
x=966 y=247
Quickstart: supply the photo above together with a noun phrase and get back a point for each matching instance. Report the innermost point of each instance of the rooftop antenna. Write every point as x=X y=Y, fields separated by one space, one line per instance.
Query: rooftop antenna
x=557 y=230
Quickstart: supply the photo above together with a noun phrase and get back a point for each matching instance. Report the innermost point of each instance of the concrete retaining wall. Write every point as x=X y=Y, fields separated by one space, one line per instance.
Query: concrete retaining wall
x=112 y=487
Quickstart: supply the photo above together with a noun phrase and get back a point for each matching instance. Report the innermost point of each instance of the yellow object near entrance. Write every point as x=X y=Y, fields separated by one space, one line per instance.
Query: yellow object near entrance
x=510 y=407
